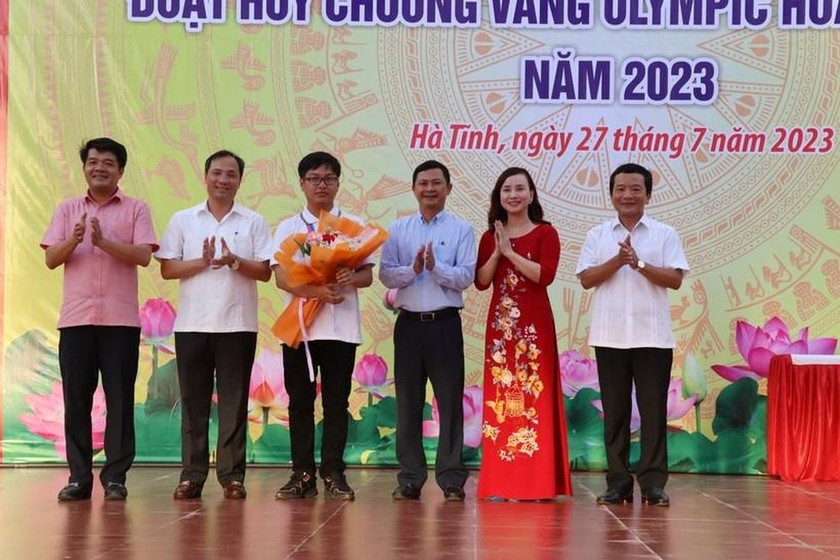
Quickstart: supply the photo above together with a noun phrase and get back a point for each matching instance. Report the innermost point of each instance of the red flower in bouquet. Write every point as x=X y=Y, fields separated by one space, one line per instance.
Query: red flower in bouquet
x=325 y=239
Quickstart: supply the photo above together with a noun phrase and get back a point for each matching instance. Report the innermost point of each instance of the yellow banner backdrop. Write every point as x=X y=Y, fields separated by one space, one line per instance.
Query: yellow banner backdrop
x=733 y=105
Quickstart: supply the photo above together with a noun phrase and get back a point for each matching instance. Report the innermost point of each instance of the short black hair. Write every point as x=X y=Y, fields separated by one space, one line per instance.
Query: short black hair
x=105 y=145
x=316 y=160
x=633 y=168
x=222 y=154
x=427 y=165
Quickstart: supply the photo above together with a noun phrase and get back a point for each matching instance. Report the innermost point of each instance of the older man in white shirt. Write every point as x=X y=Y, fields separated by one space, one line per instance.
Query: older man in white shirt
x=631 y=261
x=218 y=250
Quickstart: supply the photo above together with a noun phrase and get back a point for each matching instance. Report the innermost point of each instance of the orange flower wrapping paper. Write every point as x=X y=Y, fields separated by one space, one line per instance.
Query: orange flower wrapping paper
x=320 y=266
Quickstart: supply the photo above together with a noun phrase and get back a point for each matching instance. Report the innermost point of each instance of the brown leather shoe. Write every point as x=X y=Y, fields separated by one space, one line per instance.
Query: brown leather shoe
x=187 y=490
x=234 y=490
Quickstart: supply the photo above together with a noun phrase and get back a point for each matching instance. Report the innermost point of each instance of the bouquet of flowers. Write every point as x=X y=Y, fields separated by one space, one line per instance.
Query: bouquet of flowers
x=313 y=258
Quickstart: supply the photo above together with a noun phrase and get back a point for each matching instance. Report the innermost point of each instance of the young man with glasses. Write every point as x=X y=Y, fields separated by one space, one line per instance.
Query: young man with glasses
x=332 y=341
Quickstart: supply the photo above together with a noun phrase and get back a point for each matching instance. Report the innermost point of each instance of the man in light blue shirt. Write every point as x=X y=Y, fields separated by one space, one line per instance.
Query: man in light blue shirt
x=430 y=258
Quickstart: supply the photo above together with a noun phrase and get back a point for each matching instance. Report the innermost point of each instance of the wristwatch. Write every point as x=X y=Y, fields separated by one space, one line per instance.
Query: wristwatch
x=640 y=264
x=235 y=264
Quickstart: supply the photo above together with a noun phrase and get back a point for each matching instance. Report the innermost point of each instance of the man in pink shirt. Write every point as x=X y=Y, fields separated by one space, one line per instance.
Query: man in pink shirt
x=100 y=238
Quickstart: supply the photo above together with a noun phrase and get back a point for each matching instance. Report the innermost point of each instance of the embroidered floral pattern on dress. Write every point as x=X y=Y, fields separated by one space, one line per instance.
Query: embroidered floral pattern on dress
x=515 y=366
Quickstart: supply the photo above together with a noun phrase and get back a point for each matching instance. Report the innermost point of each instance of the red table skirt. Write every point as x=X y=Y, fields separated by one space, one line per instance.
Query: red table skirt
x=803 y=420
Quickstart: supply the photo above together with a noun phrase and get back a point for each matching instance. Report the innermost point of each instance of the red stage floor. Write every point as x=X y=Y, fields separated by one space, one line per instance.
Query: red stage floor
x=711 y=518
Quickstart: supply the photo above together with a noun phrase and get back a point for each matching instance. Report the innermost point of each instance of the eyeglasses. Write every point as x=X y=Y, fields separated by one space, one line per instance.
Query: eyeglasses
x=315 y=181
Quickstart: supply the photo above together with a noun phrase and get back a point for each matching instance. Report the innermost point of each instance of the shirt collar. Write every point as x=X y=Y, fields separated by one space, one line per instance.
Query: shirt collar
x=116 y=197
x=235 y=209
x=645 y=221
x=309 y=217
x=439 y=217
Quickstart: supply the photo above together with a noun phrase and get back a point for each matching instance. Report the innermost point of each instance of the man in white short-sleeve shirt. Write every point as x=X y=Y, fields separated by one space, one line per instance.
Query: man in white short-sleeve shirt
x=218 y=251
x=631 y=261
x=332 y=340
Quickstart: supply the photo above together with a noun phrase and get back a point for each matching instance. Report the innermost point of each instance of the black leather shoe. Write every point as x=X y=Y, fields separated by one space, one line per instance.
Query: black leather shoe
x=74 y=492
x=406 y=492
x=115 y=492
x=655 y=496
x=614 y=497
x=453 y=494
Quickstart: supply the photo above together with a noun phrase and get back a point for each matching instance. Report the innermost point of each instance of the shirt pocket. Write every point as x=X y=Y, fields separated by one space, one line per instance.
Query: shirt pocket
x=121 y=232
x=243 y=245
x=445 y=253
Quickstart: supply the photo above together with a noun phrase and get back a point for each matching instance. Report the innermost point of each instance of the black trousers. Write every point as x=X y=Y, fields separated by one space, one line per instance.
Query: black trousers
x=230 y=356
x=83 y=352
x=434 y=351
x=650 y=370
x=334 y=360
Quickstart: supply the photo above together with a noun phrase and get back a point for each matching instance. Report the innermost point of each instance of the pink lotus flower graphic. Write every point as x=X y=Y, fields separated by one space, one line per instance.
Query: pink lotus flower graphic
x=389 y=300
x=371 y=373
x=47 y=418
x=577 y=372
x=472 y=417
x=157 y=320
x=677 y=405
x=758 y=345
x=268 y=401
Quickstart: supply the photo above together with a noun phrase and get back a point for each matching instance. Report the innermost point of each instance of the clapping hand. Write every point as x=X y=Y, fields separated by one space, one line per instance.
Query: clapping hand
x=503 y=245
x=430 y=257
x=208 y=250
x=419 y=260
x=226 y=258
x=79 y=229
x=96 y=232
x=425 y=258
x=626 y=253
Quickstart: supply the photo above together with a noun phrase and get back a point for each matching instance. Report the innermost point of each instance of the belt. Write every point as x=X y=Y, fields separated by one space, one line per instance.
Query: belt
x=436 y=315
